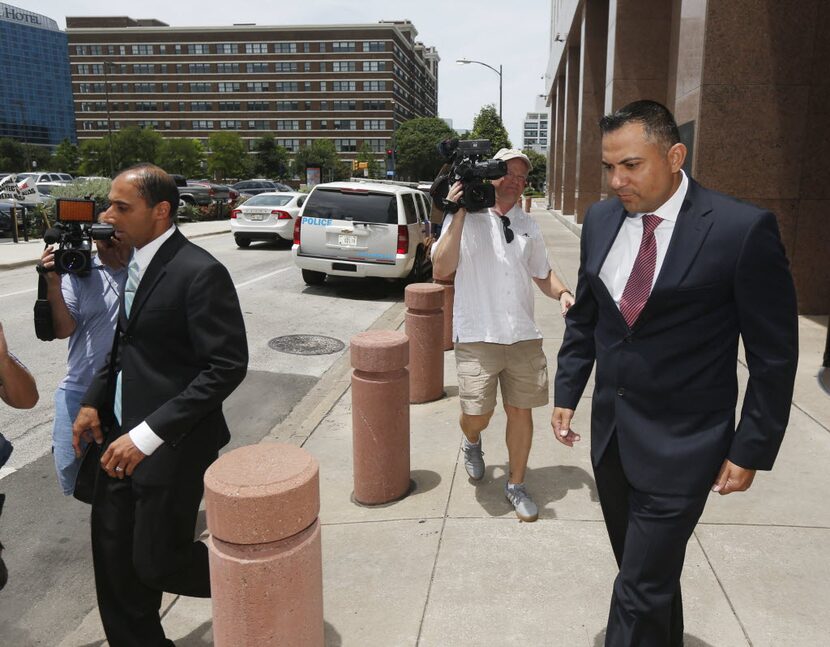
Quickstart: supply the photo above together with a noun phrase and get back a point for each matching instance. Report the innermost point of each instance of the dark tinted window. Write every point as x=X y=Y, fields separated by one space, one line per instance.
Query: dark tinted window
x=357 y=207
x=265 y=199
x=409 y=207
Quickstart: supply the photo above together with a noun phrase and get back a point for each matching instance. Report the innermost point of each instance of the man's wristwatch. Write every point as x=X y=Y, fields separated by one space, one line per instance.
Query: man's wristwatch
x=564 y=291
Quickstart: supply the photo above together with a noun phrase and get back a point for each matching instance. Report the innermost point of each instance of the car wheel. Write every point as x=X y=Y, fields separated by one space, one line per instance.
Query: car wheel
x=313 y=278
x=242 y=242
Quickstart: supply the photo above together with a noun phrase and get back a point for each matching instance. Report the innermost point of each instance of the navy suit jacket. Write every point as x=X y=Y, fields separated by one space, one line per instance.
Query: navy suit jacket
x=668 y=386
x=182 y=351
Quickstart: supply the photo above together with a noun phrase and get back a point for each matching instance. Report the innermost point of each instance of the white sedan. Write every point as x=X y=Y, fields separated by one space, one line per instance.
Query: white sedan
x=267 y=216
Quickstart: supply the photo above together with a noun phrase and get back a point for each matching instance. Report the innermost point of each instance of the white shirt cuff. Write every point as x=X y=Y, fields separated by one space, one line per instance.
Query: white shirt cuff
x=144 y=438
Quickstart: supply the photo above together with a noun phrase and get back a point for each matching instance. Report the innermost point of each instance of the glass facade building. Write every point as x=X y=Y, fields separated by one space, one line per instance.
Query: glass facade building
x=36 y=105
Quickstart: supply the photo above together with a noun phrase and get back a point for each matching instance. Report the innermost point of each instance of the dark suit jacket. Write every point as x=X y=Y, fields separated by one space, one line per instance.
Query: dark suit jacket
x=669 y=386
x=181 y=353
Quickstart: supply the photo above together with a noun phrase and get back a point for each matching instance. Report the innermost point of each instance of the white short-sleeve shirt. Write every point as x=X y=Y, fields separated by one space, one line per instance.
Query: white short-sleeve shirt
x=493 y=286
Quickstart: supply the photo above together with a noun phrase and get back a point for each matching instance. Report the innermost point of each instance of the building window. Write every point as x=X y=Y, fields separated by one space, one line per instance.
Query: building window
x=374 y=86
x=256 y=48
x=257 y=105
x=322 y=86
x=287 y=86
x=343 y=46
x=345 y=145
x=344 y=86
x=288 y=105
x=145 y=87
x=308 y=124
x=227 y=68
x=286 y=67
x=374 y=46
x=258 y=125
x=199 y=68
x=324 y=124
x=306 y=47
x=285 y=48
x=307 y=105
x=374 y=124
x=344 y=124
x=227 y=86
x=257 y=86
x=344 y=66
x=291 y=145
x=144 y=50
x=306 y=66
x=196 y=106
x=198 y=48
x=227 y=48
x=307 y=86
x=256 y=67
x=146 y=106
x=288 y=124
x=345 y=105
x=202 y=124
x=144 y=68
x=201 y=87
x=374 y=105
x=376 y=145
x=82 y=50
x=374 y=66
x=230 y=124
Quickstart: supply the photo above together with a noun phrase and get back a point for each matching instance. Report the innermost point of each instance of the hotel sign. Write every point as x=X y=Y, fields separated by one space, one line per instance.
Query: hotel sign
x=9 y=13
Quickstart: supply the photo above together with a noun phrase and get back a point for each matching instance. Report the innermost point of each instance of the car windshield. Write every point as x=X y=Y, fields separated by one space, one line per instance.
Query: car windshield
x=361 y=206
x=268 y=200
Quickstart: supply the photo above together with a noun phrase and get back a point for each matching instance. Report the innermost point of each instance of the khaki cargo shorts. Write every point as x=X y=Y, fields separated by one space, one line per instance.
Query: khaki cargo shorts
x=520 y=368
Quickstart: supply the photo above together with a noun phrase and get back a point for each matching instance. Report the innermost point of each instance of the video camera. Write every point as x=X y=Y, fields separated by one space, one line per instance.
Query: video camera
x=74 y=232
x=466 y=167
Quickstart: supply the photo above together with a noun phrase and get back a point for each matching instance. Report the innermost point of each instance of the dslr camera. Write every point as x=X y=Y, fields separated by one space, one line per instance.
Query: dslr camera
x=466 y=165
x=75 y=229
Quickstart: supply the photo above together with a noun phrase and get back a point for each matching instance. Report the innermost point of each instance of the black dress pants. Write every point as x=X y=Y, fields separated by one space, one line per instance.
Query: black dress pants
x=648 y=534
x=142 y=545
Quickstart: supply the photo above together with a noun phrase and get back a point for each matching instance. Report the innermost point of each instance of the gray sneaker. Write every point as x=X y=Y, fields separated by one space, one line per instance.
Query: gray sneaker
x=525 y=509
x=473 y=459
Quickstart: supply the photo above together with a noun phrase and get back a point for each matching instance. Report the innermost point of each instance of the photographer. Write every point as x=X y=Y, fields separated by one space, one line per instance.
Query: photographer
x=495 y=253
x=84 y=308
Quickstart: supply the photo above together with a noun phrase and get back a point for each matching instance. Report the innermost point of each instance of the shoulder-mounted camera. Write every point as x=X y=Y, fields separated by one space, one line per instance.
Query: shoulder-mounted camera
x=467 y=165
x=75 y=229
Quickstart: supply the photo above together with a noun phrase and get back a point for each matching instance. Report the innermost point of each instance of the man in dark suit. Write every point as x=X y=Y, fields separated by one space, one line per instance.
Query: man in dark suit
x=671 y=276
x=179 y=350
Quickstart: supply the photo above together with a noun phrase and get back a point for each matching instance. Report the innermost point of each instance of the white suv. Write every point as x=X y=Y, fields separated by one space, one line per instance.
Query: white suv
x=363 y=229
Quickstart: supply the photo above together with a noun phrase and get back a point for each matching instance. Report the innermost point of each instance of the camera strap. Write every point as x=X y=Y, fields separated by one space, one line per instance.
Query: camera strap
x=44 y=329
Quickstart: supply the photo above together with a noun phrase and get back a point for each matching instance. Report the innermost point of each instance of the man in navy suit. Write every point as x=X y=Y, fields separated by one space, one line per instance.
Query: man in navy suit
x=671 y=276
x=179 y=350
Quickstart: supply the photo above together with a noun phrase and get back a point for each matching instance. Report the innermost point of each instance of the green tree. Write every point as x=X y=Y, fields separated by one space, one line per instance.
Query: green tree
x=134 y=145
x=66 y=158
x=94 y=157
x=11 y=155
x=488 y=125
x=374 y=165
x=37 y=158
x=182 y=156
x=321 y=153
x=228 y=157
x=538 y=176
x=270 y=161
x=416 y=141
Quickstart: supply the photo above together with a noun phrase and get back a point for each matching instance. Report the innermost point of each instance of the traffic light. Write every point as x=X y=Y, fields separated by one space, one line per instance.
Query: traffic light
x=390 y=162
x=355 y=165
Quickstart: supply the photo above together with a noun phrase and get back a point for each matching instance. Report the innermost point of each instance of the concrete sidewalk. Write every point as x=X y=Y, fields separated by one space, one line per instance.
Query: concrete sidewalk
x=28 y=253
x=452 y=566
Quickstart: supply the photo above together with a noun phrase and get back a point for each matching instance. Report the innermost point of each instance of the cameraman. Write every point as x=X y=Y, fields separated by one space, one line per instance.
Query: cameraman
x=85 y=309
x=495 y=253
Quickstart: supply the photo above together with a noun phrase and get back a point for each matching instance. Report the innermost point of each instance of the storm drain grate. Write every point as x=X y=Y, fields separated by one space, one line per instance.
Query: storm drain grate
x=306 y=344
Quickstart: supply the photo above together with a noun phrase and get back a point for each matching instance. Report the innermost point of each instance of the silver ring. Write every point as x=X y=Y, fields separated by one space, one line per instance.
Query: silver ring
x=119 y=469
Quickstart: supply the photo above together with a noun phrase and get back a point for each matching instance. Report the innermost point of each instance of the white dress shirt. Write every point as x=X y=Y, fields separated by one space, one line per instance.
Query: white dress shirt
x=143 y=436
x=493 y=287
x=620 y=260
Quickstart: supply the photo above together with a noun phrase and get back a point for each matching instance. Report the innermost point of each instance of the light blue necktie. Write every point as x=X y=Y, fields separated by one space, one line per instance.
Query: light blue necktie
x=133 y=276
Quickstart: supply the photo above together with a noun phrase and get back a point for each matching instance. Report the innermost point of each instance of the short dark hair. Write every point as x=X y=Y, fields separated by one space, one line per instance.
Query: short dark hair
x=657 y=120
x=155 y=185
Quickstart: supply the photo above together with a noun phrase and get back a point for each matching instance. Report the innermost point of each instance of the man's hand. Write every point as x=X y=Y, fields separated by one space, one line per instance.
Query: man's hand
x=561 y=423
x=566 y=300
x=87 y=427
x=732 y=478
x=121 y=457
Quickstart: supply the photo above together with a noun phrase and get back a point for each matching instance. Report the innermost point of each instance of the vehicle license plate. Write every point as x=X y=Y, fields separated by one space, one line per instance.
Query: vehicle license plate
x=256 y=216
x=347 y=241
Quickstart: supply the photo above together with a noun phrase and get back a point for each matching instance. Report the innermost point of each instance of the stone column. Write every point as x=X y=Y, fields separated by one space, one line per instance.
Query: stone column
x=425 y=330
x=559 y=143
x=571 y=125
x=266 y=574
x=380 y=416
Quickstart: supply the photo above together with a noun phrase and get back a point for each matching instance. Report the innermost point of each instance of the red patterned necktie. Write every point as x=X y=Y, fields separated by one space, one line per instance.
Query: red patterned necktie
x=638 y=287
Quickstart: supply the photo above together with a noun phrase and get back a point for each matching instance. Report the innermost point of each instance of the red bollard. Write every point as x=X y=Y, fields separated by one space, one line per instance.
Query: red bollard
x=380 y=416
x=449 y=298
x=266 y=573
x=425 y=329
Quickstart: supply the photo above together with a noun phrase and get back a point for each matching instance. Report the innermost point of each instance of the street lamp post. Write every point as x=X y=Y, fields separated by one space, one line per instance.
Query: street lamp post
x=107 y=104
x=467 y=61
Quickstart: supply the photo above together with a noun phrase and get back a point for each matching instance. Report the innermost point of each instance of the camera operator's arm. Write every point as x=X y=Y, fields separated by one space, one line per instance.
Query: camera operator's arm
x=554 y=288
x=447 y=250
x=17 y=386
x=62 y=320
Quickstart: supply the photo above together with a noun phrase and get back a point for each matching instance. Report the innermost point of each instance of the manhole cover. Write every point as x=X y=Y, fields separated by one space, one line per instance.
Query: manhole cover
x=306 y=344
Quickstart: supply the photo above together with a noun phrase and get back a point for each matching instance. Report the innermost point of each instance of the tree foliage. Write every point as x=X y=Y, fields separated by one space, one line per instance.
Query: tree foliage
x=374 y=164
x=66 y=157
x=488 y=125
x=183 y=156
x=321 y=153
x=126 y=148
x=271 y=160
x=228 y=157
x=11 y=155
x=538 y=176
x=416 y=142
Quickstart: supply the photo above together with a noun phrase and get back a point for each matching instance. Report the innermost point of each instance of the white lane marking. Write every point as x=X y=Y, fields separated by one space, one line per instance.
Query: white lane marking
x=12 y=294
x=264 y=276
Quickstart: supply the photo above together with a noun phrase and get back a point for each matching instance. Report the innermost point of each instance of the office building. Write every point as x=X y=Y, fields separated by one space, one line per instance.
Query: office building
x=353 y=84
x=535 y=133
x=36 y=105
